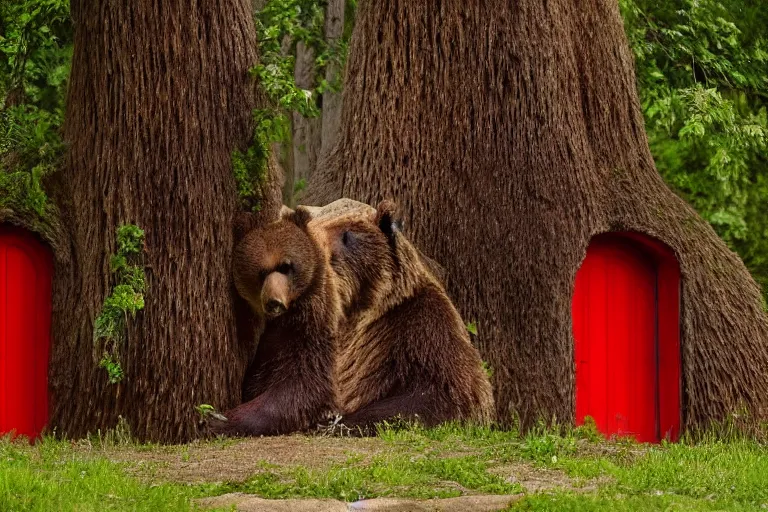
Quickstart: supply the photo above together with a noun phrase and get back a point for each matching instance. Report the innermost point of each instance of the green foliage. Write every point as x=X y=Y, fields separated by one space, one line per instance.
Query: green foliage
x=702 y=70
x=299 y=185
x=35 y=52
x=113 y=368
x=204 y=410
x=127 y=298
x=281 y=25
x=250 y=167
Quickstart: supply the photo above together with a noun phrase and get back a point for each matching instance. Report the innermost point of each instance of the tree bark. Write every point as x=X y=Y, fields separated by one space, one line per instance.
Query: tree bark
x=334 y=30
x=159 y=97
x=510 y=134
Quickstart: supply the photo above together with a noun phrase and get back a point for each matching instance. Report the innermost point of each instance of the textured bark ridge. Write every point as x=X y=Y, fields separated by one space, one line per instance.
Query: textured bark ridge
x=159 y=98
x=510 y=134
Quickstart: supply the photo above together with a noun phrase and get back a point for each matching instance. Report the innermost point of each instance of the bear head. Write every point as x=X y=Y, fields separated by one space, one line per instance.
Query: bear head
x=376 y=266
x=275 y=265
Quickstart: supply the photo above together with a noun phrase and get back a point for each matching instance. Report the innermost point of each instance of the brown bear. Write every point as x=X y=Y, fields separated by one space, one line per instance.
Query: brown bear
x=403 y=348
x=285 y=277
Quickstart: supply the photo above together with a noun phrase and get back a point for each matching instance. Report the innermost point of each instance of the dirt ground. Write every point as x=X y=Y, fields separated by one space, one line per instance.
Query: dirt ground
x=237 y=460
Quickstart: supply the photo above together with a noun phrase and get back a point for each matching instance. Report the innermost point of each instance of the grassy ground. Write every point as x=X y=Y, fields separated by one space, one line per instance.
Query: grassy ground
x=574 y=471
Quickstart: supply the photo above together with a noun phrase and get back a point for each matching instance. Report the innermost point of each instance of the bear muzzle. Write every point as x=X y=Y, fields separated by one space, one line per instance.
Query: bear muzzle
x=275 y=294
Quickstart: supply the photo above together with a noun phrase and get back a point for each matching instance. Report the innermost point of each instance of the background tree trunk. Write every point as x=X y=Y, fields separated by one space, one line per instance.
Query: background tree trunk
x=283 y=150
x=510 y=134
x=159 y=98
x=334 y=30
x=306 y=131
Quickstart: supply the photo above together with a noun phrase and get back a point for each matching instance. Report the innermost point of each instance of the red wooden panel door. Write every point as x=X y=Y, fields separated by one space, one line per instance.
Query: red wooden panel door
x=25 y=321
x=615 y=331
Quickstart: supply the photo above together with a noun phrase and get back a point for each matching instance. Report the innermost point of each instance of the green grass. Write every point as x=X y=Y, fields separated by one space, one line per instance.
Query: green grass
x=617 y=502
x=50 y=477
x=409 y=476
x=587 y=472
x=710 y=475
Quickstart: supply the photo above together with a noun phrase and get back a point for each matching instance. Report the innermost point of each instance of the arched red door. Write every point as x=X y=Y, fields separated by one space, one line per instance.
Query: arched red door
x=626 y=332
x=26 y=270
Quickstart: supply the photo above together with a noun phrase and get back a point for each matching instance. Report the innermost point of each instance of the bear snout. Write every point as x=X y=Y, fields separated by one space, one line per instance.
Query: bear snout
x=274 y=294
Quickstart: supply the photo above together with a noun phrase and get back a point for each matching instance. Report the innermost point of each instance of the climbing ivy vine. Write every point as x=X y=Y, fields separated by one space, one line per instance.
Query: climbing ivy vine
x=126 y=299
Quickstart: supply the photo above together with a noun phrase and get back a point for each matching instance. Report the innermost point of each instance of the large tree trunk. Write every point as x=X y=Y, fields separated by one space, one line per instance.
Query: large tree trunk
x=510 y=134
x=159 y=98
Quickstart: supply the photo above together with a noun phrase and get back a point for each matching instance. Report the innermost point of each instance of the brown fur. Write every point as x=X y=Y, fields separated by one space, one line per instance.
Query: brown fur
x=403 y=348
x=284 y=276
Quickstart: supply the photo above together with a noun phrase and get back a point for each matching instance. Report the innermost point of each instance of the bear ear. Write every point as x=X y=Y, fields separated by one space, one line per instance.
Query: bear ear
x=385 y=218
x=300 y=217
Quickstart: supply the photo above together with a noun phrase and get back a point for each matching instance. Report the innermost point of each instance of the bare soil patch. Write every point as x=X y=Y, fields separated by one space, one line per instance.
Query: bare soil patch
x=236 y=460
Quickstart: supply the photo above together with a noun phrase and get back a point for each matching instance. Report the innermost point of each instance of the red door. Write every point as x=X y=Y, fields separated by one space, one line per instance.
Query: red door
x=626 y=350
x=25 y=321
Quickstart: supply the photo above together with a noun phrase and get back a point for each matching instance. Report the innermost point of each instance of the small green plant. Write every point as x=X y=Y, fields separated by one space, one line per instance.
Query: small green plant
x=472 y=328
x=487 y=368
x=545 y=445
x=206 y=410
x=588 y=430
x=119 y=435
x=127 y=298
x=300 y=185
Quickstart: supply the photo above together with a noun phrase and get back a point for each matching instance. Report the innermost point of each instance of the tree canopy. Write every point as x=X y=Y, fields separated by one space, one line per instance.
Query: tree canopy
x=702 y=72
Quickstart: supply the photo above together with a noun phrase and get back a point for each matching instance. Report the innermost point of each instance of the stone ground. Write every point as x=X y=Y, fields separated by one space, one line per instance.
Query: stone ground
x=248 y=503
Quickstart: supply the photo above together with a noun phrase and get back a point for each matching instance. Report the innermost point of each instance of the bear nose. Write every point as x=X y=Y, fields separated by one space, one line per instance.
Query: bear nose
x=275 y=307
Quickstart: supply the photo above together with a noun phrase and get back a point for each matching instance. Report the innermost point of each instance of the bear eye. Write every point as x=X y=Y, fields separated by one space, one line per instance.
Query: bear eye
x=284 y=268
x=345 y=238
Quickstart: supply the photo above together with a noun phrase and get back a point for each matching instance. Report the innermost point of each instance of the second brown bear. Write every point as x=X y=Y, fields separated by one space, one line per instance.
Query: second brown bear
x=403 y=349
